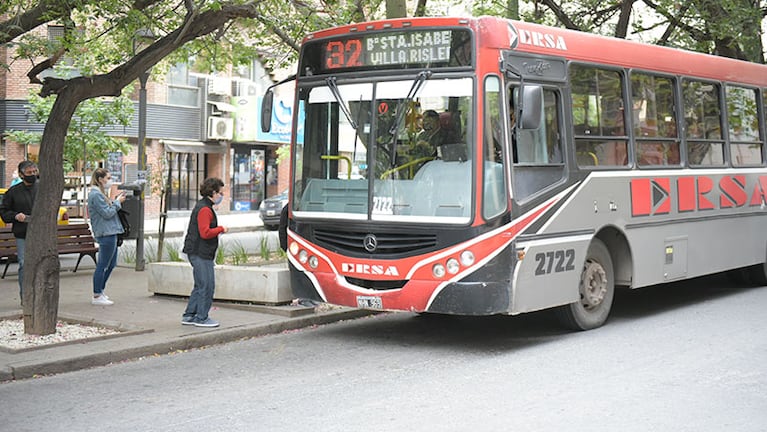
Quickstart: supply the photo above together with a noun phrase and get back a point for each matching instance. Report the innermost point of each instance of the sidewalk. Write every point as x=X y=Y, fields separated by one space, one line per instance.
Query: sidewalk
x=150 y=324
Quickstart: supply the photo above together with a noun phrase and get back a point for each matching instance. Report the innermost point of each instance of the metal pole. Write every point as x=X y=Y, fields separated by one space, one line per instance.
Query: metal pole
x=141 y=169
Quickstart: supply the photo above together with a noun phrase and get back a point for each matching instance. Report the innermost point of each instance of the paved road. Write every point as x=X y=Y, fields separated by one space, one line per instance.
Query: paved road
x=685 y=357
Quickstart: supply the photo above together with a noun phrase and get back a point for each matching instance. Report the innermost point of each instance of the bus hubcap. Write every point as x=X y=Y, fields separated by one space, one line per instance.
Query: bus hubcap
x=593 y=285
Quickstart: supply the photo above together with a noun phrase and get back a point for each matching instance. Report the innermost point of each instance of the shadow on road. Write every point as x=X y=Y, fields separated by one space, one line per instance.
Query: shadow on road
x=505 y=333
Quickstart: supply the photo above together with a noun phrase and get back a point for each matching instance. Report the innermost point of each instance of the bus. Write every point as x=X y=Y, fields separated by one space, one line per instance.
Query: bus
x=565 y=165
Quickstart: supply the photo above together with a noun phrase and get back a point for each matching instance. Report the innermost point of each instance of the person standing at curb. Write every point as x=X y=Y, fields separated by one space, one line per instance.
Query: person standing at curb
x=17 y=210
x=105 y=224
x=200 y=246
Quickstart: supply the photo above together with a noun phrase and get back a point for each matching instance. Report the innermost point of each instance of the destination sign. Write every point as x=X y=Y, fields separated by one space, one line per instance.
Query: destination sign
x=397 y=49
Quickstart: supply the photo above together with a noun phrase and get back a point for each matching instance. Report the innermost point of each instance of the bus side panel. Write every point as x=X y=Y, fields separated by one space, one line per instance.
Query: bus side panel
x=695 y=248
x=549 y=274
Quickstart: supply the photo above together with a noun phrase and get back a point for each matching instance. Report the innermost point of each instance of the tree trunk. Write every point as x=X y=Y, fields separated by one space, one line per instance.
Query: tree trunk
x=41 y=261
x=396 y=9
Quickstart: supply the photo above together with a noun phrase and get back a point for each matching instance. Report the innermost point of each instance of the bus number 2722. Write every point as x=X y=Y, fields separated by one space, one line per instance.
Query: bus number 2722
x=554 y=261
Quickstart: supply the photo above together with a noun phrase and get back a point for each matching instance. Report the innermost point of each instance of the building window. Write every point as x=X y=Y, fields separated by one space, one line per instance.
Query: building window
x=182 y=87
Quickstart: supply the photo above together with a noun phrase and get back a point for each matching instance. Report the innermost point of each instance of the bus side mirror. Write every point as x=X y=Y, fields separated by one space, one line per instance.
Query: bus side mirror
x=532 y=107
x=266 y=111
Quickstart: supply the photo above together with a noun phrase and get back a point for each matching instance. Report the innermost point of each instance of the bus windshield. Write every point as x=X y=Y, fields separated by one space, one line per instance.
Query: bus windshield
x=415 y=161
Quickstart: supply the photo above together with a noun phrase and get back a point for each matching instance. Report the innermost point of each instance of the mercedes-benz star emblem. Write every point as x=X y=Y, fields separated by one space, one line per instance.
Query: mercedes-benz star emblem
x=370 y=243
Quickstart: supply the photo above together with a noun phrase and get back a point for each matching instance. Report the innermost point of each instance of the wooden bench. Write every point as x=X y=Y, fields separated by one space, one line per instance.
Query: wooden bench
x=72 y=238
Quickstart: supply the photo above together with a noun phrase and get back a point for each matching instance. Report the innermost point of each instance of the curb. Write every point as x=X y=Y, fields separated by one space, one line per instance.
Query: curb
x=199 y=340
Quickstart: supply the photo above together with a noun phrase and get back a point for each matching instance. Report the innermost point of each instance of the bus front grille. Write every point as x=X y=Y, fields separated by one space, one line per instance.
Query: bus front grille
x=376 y=284
x=385 y=243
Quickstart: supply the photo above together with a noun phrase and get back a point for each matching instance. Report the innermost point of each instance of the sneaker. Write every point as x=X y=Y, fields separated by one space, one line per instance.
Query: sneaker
x=187 y=320
x=207 y=323
x=105 y=296
x=102 y=300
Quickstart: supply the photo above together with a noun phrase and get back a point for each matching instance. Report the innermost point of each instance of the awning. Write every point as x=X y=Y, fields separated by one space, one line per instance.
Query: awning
x=223 y=106
x=173 y=146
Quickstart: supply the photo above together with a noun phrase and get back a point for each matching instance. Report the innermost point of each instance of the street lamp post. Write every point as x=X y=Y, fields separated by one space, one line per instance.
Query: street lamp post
x=142 y=39
x=141 y=169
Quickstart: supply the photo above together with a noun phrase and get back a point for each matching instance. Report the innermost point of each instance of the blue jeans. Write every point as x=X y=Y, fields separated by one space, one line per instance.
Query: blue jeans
x=21 y=245
x=106 y=262
x=204 y=285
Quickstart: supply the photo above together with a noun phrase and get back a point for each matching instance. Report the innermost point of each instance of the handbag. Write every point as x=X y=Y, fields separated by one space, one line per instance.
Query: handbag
x=123 y=216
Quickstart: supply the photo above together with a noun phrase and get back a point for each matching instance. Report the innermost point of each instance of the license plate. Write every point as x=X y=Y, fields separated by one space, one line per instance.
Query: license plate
x=271 y=212
x=367 y=302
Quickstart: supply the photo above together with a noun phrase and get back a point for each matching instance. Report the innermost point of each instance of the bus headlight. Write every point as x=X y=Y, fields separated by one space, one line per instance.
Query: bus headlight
x=313 y=262
x=303 y=256
x=293 y=248
x=438 y=271
x=453 y=266
x=467 y=258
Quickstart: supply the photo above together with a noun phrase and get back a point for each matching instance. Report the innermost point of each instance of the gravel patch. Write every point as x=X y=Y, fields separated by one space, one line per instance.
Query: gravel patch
x=12 y=334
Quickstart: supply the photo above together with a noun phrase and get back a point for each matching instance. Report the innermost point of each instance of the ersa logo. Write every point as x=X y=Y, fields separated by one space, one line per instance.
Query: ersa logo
x=369 y=269
x=657 y=196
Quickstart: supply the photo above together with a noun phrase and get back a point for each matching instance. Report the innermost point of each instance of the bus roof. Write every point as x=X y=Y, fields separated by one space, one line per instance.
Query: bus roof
x=500 y=33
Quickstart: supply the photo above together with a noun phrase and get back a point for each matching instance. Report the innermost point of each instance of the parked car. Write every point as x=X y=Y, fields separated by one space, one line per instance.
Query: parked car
x=63 y=213
x=270 y=209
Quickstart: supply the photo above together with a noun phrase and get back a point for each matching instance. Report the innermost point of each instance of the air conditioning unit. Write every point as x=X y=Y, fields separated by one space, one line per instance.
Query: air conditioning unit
x=220 y=86
x=245 y=88
x=220 y=128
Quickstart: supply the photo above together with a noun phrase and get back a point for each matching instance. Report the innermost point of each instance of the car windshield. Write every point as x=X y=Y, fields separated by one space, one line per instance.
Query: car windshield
x=416 y=161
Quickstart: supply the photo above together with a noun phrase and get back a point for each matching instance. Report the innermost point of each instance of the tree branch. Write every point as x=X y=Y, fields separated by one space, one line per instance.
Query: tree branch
x=196 y=25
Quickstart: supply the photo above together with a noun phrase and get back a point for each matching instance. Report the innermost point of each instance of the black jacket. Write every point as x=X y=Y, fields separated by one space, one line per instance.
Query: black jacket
x=18 y=199
x=193 y=243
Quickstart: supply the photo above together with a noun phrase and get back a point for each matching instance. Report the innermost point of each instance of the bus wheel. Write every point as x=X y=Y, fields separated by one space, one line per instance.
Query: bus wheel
x=596 y=288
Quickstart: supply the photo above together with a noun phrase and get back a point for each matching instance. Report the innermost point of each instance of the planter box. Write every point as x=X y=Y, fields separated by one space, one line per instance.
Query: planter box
x=263 y=284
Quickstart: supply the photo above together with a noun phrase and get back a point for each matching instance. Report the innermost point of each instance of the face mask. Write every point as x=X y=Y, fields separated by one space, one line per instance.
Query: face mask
x=218 y=199
x=108 y=184
x=31 y=179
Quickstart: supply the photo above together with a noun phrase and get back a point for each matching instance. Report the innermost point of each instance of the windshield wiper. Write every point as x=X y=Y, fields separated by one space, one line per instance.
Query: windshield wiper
x=419 y=80
x=331 y=82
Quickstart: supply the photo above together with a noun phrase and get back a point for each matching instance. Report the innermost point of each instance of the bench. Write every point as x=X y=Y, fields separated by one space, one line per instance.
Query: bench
x=73 y=238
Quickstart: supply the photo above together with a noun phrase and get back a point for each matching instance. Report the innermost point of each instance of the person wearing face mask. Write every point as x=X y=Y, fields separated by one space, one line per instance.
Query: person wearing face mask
x=105 y=224
x=200 y=245
x=17 y=210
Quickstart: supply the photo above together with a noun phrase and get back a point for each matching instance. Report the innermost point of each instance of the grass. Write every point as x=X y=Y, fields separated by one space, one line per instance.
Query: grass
x=233 y=254
x=174 y=252
x=221 y=254
x=239 y=255
x=264 y=252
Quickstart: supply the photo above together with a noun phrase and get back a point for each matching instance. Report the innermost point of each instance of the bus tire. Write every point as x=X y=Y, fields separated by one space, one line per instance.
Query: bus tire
x=596 y=289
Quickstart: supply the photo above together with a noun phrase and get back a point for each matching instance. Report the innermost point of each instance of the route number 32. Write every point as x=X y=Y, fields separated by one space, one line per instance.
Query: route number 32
x=554 y=261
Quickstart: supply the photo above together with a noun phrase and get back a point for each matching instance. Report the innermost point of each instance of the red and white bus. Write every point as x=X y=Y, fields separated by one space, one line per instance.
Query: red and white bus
x=481 y=166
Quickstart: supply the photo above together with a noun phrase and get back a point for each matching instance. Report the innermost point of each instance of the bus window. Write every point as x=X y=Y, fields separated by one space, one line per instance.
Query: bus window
x=494 y=187
x=537 y=153
x=703 y=130
x=541 y=146
x=598 y=117
x=743 y=121
x=654 y=118
x=331 y=161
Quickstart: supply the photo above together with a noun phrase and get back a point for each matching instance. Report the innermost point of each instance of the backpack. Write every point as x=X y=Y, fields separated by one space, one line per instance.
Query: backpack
x=123 y=216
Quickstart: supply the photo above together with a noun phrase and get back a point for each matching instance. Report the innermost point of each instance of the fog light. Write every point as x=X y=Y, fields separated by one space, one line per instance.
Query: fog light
x=303 y=256
x=438 y=271
x=467 y=258
x=313 y=262
x=453 y=266
x=293 y=248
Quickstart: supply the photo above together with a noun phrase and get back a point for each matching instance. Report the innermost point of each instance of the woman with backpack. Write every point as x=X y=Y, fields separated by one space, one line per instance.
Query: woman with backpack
x=105 y=225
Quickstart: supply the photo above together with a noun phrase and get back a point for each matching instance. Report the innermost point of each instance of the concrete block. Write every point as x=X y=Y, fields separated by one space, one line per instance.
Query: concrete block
x=268 y=284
